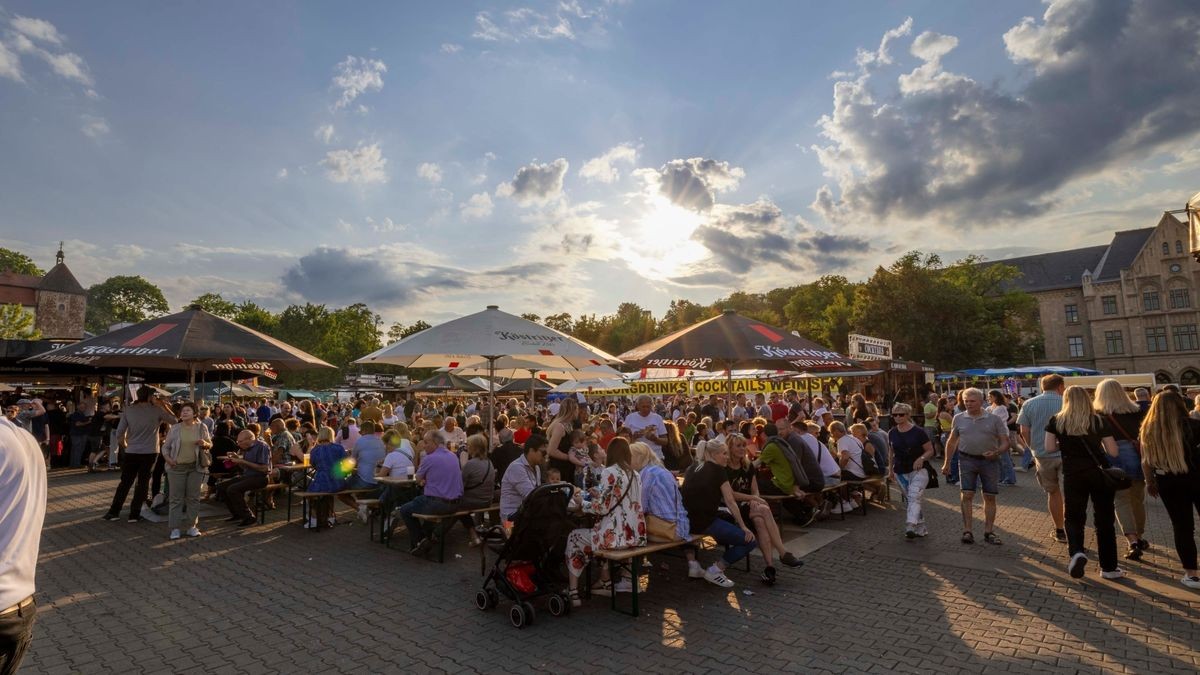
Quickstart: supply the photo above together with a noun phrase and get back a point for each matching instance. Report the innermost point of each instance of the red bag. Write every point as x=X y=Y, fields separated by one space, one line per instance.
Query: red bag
x=520 y=577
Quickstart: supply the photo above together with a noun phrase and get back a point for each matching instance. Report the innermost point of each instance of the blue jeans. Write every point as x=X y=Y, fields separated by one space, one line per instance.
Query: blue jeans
x=728 y=534
x=78 y=448
x=1027 y=458
x=953 y=468
x=1008 y=471
x=422 y=504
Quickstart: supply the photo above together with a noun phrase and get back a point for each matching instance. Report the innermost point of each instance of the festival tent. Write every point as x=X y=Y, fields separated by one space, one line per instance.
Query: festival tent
x=482 y=339
x=192 y=340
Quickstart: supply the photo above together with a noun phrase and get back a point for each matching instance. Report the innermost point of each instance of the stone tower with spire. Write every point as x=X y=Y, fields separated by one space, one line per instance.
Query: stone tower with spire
x=61 y=302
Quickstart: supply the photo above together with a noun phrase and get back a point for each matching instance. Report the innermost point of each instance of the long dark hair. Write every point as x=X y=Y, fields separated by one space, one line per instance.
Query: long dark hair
x=620 y=454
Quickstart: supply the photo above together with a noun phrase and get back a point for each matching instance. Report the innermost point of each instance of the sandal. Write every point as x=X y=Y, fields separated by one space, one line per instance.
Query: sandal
x=991 y=538
x=968 y=537
x=573 y=596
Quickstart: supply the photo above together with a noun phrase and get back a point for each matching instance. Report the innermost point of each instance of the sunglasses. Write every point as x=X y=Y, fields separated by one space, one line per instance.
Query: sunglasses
x=899 y=414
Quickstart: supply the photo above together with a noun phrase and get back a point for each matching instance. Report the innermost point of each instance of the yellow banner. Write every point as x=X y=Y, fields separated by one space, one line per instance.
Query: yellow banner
x=706 y=387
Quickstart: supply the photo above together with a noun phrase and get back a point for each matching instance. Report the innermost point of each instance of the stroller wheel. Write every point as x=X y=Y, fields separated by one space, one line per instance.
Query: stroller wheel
x=516 y=614
x=529 y=613
x=556 y=605
x=493 y=598
x=483 y=601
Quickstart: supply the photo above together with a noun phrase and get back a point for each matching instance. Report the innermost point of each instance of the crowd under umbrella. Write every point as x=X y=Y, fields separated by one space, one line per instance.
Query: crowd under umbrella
x=190 y=341
x=484 y=338
x=730 y=340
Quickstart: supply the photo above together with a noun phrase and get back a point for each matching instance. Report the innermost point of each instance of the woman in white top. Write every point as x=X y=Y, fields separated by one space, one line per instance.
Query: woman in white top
x=399 y=460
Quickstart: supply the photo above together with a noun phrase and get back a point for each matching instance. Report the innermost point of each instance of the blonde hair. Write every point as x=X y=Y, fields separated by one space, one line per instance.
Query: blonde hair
x=974 y=392
x=325 y=434
x=706 y=449
x=643 y=456
x=838 y=427
x=477 y=446
x=855 y=428
x=1162 y=433
x=402 y=429
x=1111 y=399
x=902 y=408
x=1075 y=418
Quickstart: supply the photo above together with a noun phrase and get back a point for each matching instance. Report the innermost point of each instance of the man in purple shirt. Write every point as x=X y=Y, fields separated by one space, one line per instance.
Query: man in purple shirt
x=441 y=475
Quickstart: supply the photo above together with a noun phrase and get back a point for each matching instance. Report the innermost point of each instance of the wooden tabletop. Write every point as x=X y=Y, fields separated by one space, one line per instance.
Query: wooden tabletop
x=395 y=480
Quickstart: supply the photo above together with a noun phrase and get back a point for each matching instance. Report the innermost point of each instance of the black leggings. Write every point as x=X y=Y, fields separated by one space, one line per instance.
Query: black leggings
x=1180 y=493
x=1078 y=489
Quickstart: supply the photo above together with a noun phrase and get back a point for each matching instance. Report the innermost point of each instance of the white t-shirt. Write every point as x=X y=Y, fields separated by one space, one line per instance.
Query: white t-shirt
x=999 y=411
x=829 y=465
x=636 y=422
x=553 y=409
x=400 y=460
x=455 y=438
x=22 y=511
x=851 y=446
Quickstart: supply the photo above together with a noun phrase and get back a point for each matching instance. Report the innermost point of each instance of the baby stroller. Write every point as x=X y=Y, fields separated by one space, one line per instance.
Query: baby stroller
x=528 y=561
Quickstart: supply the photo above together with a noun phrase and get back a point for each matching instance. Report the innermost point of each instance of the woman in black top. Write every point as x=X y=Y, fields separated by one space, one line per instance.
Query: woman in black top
x=705 y=489
x=1171 y=462
x=560 y=429
x=1084 y=439
x=754 y=509
x=1124 y=418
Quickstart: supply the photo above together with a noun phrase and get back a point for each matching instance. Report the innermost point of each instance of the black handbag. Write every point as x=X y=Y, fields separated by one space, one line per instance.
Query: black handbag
x=933 y=477
x=1114 y=478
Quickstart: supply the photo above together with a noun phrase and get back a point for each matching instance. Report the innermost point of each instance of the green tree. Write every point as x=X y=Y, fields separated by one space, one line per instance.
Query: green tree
x=123 y=299
x=256 y=318
x=215 y=304
x=750 y=305
x=529 y=316
x=628 y=328
x=399 y=331
x=18 y=263
x=355 y=333
x=17 y=324
x=684 y=313
x=560 y=322
x=819 y=310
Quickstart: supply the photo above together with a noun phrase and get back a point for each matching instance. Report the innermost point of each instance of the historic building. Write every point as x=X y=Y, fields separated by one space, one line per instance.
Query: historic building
x=56 y=300
x=1129 y=306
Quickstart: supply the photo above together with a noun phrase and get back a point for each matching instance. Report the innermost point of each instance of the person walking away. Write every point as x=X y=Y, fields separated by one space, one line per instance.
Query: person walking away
x=187 y=452
x=911 y=452
x=1124 y=419
x=980 y=438
x=1171 y=465
x=1084 y=438
x=1032 y=420
x=138 y=429
x=998 y=407
x=22 y=513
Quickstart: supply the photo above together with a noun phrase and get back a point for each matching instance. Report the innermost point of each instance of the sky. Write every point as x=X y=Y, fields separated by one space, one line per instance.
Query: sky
x=430 y=159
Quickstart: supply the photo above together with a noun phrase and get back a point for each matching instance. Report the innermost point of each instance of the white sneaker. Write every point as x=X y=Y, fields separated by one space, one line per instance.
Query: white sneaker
x=332 y=521
x=715 y=576
x=849 y=506
x=175 y=534
x=1075 y=567
x=1190 y=582
x=623 y=586
x=362 y=513
x=695 y=571
x=311 y=524
x=1117 y=573
x=193 y=532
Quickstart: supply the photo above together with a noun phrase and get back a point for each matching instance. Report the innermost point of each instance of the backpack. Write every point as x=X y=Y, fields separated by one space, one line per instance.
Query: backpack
x=868 y=461
x=798 y=475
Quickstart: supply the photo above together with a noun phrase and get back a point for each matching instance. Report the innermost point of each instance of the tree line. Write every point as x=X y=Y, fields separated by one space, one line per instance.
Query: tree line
x=958 y=315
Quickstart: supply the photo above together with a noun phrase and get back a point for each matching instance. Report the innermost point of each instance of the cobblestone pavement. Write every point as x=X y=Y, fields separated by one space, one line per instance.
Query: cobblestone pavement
x=121 y=598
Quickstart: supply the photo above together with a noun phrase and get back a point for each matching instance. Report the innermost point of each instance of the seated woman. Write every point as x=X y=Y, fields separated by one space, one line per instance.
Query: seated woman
x=399 y=463
x=617 y=505
x=662 y=505
x=328 y=476
x=743 y=480
x=849 y=452
x=705 y=489
x=479 y=482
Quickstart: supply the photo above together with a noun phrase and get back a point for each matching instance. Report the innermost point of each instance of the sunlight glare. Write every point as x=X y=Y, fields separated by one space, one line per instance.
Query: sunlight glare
x=664 y=247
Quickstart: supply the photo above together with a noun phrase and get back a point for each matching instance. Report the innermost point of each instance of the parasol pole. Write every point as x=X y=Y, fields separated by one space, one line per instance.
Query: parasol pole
x=532 y=374
x=729 y=390
x=126 y=394
x=491 y=397
x=192 y=382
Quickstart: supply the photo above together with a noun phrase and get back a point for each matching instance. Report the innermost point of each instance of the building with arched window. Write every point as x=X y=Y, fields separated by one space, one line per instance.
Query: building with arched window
x=57 y=301
x=1129 y=306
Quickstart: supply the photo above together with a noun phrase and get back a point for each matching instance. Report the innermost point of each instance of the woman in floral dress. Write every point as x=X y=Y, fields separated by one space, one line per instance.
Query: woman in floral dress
x=617 y=505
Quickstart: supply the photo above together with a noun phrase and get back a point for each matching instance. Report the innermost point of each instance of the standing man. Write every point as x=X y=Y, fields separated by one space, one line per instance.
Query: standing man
x=138 y=428
x=648 y=426
x=980 y=438
x=1033 y=418
x=22 y=512
x=931 y=421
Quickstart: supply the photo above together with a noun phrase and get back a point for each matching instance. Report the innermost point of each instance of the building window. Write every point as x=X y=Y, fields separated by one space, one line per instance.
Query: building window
x=1166 y=248
x=1114 y=342
x=1156 y=339
x=1179 y=298
x=1150 y=301
x=1189 y=377
x=1186 y=338
x=1117 y=371
x=1075 y=346
x=1162 y=377
x=1072 y=313
x=1178 y=246
x=1110 y=304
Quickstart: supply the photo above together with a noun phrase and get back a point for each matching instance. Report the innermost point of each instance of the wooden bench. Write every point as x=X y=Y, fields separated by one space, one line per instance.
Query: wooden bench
x=444 y=521
x=879 y=483
x=373 y=512
x=306 y=495
x=260 y=499
x=632 y=558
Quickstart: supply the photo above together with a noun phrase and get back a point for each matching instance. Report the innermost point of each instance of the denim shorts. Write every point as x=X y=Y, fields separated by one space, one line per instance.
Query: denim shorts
x=974 y=469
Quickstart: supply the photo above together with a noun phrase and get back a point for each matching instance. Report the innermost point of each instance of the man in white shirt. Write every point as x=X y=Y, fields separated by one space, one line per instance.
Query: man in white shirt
x=22 y=512
x=647 y=426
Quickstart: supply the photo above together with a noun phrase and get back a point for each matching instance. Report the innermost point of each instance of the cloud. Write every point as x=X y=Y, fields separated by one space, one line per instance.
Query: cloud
x=693 y=183
x=450 y=48
x=68 y=65
x=1102 y=90
x=384 y=226
x=883 y=55
x=602 y=169
x=536 y=183
x=37 y=29
x=320 y=276
x=283 y=173
x=478 y=206
x=430 y=171
x=744 y=237
x=344 y=226
x=10 y=64
x=362 y=165
x=129 y=252
x=569 y=20
x=94 y=127
x=355 y=76
x=324 y=133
